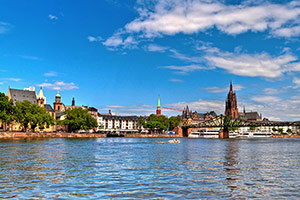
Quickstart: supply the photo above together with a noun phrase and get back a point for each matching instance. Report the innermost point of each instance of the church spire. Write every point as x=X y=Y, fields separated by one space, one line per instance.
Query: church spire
x=158 y=109
x=230 y=85
x=158 y=101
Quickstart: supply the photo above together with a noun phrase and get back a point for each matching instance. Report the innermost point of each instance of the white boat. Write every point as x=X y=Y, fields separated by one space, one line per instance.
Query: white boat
x=210 y=134
x=255 y=135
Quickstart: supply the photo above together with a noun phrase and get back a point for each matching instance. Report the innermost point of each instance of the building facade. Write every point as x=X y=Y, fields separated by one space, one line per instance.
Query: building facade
x=189 y=117
x=109 y=123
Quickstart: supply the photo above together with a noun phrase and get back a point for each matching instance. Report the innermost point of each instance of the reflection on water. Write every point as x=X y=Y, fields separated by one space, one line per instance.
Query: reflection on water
x=114 y=168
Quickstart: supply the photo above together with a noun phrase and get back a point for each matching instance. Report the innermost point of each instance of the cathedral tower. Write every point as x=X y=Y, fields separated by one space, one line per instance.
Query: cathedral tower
x=231 y=109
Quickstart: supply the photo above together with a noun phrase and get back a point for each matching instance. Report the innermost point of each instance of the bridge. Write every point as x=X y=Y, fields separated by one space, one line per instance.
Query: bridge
x=225 y=123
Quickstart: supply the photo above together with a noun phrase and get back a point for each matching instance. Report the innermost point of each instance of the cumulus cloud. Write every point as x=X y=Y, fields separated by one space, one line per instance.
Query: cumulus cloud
x=188 y=17
x=52 y=17
x=254 y=65
x=117 y=41
x=266 y=99
x=271 y=107
x=202 y=105
x=243 y=64
x=271 y=91
x=59 y=85
x=296 y=82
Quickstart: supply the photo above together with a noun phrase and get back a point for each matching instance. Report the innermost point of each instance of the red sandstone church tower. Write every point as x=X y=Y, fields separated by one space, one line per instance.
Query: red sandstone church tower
x=57 y=104
x=231 y=109
x=158 y=109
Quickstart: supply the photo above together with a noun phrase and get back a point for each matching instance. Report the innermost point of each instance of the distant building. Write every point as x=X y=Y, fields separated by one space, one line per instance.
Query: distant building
x=22 y=95
x=188 y=117
x=231 y=109
x=124 y=124
x=251 y=116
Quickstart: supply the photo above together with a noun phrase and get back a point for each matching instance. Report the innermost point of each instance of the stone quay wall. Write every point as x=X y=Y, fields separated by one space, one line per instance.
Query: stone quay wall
x=11 y=135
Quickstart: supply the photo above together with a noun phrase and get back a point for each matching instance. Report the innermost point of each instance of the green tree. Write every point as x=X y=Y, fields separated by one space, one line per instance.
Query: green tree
x=40 y=118
x=23 y=114
x=141 y=122
x=289 y=131
x=162 y=122
x=280 y=130
x=78 y=119
x=7 y=110
x=29 y=114
x=174 y=121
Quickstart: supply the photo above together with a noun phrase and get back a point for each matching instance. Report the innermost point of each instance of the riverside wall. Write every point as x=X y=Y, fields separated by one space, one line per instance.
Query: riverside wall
x=11 y=135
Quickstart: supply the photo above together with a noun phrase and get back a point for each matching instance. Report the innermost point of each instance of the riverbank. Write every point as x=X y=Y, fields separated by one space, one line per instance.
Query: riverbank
x=286 y=136
x=10 y=135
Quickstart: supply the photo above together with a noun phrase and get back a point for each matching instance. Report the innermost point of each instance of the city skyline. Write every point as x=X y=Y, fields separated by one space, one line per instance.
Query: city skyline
x=121 y=55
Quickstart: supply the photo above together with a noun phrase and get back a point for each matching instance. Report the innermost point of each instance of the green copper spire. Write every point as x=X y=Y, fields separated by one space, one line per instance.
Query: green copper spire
x=158 y=101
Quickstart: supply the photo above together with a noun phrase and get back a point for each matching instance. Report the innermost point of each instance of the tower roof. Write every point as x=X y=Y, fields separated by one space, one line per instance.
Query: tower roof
x=158 y=101
x=230 y=85
x=41 y=94
x=57 y=95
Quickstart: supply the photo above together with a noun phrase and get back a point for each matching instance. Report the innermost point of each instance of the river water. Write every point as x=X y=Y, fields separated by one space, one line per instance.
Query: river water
x=143 y=168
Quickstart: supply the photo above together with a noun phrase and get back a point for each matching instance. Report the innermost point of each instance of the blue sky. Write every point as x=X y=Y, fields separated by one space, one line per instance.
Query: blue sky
x=121 y=55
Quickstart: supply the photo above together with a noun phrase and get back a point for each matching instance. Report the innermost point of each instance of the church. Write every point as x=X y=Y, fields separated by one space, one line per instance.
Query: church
x=231 y=109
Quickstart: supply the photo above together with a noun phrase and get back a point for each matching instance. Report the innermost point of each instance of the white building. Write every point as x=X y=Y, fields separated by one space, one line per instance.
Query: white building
x=109 y=123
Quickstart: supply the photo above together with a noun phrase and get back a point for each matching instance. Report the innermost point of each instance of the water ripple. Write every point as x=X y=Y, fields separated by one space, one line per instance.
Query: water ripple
x=140 y=168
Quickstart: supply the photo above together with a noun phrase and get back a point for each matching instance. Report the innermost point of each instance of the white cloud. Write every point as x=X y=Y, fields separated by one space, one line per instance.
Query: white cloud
x=52 y=17
x=50 y=74
x=12 y=79
x=130 y=109
x=222 y=90
x=256 y=65
x=275 y=108
x=30 y=57
x=296 y=82
x=117 y=41
x=4 y=27
x=181 y=56
x=59 y=85
x=176 y=80
x=185 y=69
x=155 y=47
x=265 y=99
x=202 y=105
x=271 y=91
x=94 y=39
x=188 y=17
